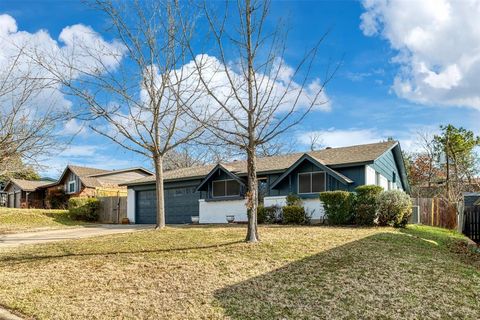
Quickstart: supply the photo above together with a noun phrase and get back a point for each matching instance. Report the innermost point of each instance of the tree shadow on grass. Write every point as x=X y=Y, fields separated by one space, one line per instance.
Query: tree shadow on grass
x=28 y=257
x=380 y=276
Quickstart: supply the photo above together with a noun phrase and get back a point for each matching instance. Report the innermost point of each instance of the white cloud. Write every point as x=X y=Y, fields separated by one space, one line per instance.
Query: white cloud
x=341 y=137
x=79 y=151
x=74 y=127
x=81 y=46
x=438 y=45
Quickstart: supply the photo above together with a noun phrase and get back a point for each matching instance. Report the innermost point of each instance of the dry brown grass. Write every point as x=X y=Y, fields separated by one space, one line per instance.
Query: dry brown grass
x=20 y=220
x=209 y=273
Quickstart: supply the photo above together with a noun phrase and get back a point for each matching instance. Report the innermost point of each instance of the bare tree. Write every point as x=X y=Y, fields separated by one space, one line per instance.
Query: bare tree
x=259 y=96
x=29 y=117
x=316 y=141
x=135 y=103
x=196 y=154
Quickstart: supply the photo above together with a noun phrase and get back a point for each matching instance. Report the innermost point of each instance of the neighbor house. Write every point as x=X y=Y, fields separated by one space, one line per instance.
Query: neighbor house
x=75 y=181
x=25 y=193
x=85 y=182
x=214 y=191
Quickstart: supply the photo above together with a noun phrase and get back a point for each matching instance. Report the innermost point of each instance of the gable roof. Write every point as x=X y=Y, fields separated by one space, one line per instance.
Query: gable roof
x=92 y=177
x=215 y=169
x=332 y=157
x=85 y=171
x=28 y=185
x=318 y=163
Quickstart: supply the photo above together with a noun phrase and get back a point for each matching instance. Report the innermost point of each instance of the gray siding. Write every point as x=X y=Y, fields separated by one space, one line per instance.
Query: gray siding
x=290 y=183
x=356 y=174
x=70 y=176
x=387 y=167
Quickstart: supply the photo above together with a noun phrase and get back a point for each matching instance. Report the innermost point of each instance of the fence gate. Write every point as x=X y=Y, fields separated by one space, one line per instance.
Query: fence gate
x=471 y=227
x=112 y=209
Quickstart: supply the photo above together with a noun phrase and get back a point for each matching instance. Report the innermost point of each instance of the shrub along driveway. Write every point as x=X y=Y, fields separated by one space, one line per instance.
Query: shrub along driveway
x=207 y=272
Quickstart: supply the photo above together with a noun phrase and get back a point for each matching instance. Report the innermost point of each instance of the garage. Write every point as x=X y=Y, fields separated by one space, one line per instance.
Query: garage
x=180 y=204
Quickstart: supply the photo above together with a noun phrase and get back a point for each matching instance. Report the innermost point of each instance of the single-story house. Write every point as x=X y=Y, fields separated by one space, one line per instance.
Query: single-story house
x=212 y=192
x=75 y=181
x=81 y=181
x=25 y=193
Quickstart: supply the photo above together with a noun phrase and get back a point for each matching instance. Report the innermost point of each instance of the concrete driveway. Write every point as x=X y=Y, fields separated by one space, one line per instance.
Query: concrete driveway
x=18 y=239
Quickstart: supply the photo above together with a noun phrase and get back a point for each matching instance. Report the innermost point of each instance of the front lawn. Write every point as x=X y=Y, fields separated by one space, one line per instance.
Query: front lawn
x=207 y=272
x=19 y=220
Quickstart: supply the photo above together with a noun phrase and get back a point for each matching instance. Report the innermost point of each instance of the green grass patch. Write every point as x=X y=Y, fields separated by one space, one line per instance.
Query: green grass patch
x=18 y=220
x=206 y=272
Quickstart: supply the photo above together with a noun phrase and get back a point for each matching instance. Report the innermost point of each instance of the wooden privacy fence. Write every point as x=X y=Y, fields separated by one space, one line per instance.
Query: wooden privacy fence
x=471 y=227
x=113 y=205
x=436 y=212
x=112 y=209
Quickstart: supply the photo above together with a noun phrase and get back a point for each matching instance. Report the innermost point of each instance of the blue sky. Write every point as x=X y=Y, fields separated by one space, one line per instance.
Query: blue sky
x=367 y=102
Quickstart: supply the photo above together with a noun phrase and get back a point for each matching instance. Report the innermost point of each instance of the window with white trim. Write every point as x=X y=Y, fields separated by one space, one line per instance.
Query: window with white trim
x=71 y=187
x=377 y=179
x=311 y=182
x=225 y=188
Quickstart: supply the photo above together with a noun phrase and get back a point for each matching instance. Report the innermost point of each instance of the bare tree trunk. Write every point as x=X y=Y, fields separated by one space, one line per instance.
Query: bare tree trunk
x=252 y=196
x=158 y=163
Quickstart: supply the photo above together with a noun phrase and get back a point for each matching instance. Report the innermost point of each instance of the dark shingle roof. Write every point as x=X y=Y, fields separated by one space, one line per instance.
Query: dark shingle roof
x=330 y=157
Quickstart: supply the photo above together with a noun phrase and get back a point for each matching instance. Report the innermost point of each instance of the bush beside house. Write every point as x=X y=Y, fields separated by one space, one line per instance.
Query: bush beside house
x=295 y=215
x=85 y=209
x=394 y=208
x=267 y=214
x=339 y=206
x=369 y=205
x=366 y=204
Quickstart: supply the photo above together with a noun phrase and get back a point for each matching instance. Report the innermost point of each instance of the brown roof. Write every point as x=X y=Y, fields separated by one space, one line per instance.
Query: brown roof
x=330 y=157
x=86 y=171
x=29 y=185
x=92 y=177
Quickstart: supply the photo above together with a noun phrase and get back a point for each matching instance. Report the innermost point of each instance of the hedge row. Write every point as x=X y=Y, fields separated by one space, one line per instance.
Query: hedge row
x=369 y=205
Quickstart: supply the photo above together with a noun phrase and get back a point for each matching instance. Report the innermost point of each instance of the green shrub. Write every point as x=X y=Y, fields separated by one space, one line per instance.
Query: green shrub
x=85 y=209
x=394 y=208
x=366 y=204
x=57 y=199
x=267 y=214
x=293 y=200
x=295 y=215
x=338 y=206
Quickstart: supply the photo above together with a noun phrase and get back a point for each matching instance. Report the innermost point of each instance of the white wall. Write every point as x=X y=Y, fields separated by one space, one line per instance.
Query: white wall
x=313 y=206
x=383 y=182
x=131 y=205
x=216 y=211
x=369 y=175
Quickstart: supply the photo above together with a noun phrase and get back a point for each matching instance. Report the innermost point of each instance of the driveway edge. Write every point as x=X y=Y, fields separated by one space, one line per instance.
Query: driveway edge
x=7 y=315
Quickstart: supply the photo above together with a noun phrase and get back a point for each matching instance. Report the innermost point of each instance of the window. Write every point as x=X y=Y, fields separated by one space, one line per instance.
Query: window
x=311 y=182
x=71 y=187
x=225 y=188
x=262 y=189
x=377 y=178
